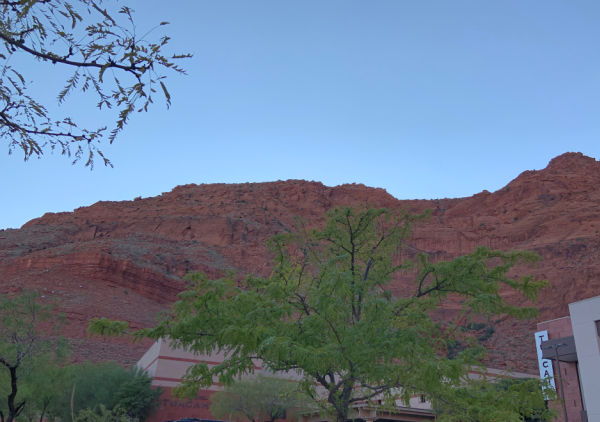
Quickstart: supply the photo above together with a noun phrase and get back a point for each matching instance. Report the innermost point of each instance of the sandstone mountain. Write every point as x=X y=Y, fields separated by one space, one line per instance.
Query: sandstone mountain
x=126 y=260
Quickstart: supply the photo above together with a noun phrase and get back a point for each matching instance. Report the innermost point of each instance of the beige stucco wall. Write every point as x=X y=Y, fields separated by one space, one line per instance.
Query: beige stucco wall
x=583 y=317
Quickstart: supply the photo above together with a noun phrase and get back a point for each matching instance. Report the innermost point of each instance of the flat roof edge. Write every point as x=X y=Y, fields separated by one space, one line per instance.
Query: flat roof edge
x=555 y=319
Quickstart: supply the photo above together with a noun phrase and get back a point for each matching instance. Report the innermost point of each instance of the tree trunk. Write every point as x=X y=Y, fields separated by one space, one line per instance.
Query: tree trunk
x=43 y=413
x=342 y=407
x=13 y=410
x=341 y=411
x=341 y=417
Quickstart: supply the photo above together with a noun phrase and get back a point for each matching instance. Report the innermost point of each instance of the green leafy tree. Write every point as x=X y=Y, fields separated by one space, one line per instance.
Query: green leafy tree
x=93 y=386
x=327 y=312
x=43 y=385
x=26 y=340
x=136 y=396
x=258 y=399
x=106 y=57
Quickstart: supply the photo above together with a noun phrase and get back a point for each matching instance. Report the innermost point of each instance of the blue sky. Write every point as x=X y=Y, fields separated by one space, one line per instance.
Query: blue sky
x=426 y=99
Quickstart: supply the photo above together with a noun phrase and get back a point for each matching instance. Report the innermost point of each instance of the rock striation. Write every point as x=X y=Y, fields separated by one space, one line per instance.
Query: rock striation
x=126 y=260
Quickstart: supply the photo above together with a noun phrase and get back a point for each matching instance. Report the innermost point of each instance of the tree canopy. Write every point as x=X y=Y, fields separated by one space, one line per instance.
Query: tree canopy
x=99 y=390
x=105 y=56
x=327 y=312
x=37 y=383
x=42 y=386
x=26 y=344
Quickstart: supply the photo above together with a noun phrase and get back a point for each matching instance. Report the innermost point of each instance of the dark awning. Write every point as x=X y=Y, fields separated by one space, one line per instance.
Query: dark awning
x=565 y=347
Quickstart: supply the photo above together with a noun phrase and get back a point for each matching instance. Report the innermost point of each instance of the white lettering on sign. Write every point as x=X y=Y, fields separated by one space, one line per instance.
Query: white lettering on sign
x=546 y=369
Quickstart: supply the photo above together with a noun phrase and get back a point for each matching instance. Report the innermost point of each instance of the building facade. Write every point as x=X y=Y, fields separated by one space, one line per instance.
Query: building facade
x=569 y=357
x=167 y=366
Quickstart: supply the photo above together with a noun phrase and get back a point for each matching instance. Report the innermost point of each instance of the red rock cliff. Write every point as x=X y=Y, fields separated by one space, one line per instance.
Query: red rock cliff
x=126 y=259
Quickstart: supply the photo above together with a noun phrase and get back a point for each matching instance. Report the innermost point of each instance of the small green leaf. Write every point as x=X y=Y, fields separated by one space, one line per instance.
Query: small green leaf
x=167 y=95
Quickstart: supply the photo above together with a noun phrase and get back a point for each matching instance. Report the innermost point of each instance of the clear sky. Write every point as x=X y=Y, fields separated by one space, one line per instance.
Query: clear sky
x=426 y=99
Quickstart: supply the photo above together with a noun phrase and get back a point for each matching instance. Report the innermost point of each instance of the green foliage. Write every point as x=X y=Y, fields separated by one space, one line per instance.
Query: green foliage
x=28 y=342
x=41 y=382
x=107 y=327
x=504 y=400
x=109 y=59
x=102 y=414
x=42 y=386
x=36 y=381
x=23 y=322
x=136 y=396
x=108 y=385
x=258 y=399
x=326 y=311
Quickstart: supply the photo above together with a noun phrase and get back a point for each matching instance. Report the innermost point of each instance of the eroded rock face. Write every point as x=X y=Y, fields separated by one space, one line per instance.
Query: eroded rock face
x=126 y=259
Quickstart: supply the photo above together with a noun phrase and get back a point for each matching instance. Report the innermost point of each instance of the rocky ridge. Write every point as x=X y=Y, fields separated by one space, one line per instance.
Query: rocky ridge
x=126 y=259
